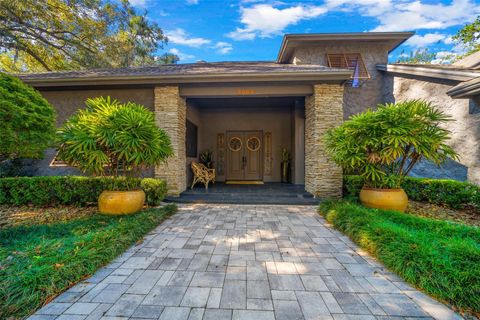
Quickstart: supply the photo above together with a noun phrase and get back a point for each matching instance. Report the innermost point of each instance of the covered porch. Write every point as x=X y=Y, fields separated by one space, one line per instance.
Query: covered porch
x=247 y=126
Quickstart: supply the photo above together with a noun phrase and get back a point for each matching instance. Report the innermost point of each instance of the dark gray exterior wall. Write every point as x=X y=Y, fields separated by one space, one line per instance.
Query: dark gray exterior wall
x=66 y=103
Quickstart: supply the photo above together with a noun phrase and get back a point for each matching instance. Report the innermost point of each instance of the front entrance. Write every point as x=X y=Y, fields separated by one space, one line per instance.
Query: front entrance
x=244 y=155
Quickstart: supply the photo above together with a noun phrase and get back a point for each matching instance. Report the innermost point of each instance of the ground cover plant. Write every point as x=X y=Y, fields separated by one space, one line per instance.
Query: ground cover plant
x=37 y=262
x=438 y=257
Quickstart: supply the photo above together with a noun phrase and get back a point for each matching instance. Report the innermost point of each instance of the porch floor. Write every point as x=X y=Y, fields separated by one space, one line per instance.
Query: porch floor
x=268 y=193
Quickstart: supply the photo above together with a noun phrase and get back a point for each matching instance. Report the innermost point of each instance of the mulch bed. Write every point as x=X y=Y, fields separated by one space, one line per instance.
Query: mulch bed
x=469 y=216
x=27 y=215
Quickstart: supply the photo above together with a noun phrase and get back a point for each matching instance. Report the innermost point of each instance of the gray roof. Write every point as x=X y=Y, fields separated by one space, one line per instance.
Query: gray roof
x=439 y=71
x=200 y=68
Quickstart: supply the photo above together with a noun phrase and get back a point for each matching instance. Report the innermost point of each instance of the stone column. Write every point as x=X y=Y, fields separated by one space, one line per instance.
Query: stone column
x=170 y=114
x=323 y=110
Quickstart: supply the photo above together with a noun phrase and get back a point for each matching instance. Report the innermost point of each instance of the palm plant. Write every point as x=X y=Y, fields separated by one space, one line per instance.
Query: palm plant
x=384 y=145
x=109 y=138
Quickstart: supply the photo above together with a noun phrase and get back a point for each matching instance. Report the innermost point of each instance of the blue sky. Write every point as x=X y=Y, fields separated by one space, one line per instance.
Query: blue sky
x=215 y=30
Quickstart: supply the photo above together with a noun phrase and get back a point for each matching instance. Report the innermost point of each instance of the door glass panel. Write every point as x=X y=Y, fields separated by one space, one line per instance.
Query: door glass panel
x=235 y=144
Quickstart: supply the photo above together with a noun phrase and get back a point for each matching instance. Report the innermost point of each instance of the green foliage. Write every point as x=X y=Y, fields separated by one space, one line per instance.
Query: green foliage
x=40 y=35
x=110 y=138
x=206 y=158
x=421 y=56
x=469 y=36
x=40 y=261
x=384 y=145
x=27 y=120
x=72 y=190
x=439 y=257
x=451 y=193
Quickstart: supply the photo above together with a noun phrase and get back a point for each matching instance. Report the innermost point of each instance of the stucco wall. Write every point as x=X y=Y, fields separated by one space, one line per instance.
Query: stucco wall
x=369 y=94
x=274 y=120
x=66 y=103
x=465 y=130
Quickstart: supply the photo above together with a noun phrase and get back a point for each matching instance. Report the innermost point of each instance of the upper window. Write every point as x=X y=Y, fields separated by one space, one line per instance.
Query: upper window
x=352 y=61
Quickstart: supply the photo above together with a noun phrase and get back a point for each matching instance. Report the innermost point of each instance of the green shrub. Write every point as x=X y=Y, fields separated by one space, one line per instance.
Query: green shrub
x=451 y=193
x=71 y=190
x=441 y=258
x=27 y=120
x=109 y=138
x=384 y=145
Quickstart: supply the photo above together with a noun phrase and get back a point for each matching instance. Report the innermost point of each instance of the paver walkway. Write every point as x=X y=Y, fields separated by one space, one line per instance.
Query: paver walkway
x=244 y=262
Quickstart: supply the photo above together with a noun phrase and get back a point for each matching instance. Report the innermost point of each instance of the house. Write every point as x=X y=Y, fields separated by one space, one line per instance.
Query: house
x=247 y=112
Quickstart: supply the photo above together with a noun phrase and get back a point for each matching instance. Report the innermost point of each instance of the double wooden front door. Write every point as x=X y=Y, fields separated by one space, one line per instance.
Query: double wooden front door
x=244 y=155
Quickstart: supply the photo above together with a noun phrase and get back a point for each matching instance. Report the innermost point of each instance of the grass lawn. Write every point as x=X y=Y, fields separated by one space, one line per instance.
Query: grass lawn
x=37 y=262
x=440 y=257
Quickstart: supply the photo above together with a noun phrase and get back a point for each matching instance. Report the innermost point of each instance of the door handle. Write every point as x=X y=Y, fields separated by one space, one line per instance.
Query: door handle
x=244 y=161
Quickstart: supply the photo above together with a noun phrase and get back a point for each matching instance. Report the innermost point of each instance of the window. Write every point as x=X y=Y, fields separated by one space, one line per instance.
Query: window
x=57 y=163
x=191 y=140
x=353 y=61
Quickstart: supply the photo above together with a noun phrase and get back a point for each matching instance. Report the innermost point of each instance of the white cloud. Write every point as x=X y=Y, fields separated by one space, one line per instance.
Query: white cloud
x=192 y=2
x=417 y=15
x=418 y=41
x=138 y=3
x=179 y=36
x=264 y=20
x=181 y=55
x=223 y=47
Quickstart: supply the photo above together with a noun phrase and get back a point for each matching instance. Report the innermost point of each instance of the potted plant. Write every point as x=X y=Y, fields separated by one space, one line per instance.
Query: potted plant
x=285 y=166
x=384 y=145
x=109 y=138
x=206 y=158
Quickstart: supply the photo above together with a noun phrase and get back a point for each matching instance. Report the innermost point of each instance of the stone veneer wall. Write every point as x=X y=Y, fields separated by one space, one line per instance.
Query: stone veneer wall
x=170 y=112
x=323 y=110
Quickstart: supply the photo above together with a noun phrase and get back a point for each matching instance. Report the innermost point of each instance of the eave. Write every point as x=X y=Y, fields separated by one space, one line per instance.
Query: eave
x=338 y=76
x=465 y=89
x=430 y=72
x=291 y=41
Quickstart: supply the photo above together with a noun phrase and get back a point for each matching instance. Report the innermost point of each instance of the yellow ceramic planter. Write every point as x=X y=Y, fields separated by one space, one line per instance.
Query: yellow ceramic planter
x=388 y=199
x=121 y=202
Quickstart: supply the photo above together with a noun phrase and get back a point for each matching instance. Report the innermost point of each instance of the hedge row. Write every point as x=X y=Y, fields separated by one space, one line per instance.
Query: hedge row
x=451 y=193
x=71 y=190
x=439 y=257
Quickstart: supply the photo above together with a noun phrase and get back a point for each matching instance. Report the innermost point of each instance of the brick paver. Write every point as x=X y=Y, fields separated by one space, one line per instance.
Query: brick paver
x=244 y=262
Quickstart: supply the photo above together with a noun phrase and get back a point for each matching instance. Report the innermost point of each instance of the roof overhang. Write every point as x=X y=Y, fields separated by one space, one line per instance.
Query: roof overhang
x=465 y=89
x=277 y=77
x=292 y=41
x=430 y=72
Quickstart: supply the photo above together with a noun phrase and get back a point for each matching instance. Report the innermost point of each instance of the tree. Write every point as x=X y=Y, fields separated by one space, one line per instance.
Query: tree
x=469 y=36
x=421 y=56
x=168 y=58
x=39 y=35
x=27 y=121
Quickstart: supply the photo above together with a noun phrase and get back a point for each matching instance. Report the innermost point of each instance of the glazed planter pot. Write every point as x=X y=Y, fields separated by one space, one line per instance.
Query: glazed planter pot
x=121 y=202
x=387 y=199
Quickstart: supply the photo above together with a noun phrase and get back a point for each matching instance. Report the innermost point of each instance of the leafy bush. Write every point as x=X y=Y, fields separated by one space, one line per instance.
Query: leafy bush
x=451 y=193
x=384 y=145
x=27 y=120
x=113 y=139
x=54 y=190
x=440 y=257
